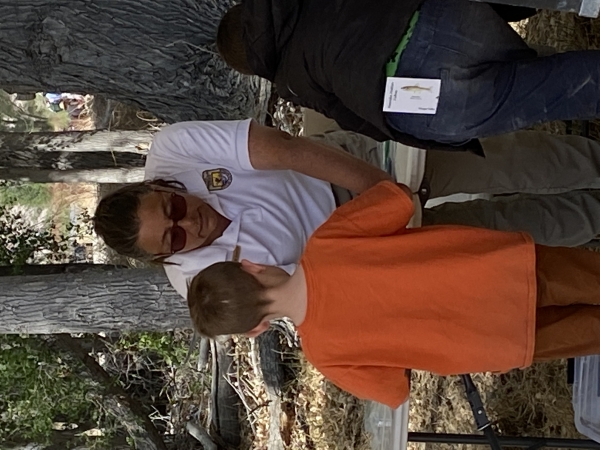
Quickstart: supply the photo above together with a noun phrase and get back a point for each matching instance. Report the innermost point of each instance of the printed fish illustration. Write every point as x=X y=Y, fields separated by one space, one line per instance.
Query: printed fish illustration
x=416 y=88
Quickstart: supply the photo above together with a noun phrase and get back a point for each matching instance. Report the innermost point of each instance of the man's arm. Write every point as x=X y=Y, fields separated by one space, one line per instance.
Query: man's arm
x=382 y=210
x=272 y=149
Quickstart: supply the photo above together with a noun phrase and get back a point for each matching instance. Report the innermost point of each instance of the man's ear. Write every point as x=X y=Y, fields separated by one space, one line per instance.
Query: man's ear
x=252 y=268
x=258 y=329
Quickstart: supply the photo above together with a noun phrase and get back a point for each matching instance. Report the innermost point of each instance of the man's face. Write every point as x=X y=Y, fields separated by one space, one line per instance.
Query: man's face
x=195 y=223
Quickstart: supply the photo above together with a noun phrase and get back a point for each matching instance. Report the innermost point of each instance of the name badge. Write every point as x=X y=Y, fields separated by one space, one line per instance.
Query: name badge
x=411 y=95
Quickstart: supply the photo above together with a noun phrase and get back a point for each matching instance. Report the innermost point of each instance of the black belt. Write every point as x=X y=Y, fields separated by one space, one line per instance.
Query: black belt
x=340 y=195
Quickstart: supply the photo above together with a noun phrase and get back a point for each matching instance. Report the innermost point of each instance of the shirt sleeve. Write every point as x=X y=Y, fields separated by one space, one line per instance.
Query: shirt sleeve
x=189 y=145
x=289 y=268
x=387 y=385
x=382 y=210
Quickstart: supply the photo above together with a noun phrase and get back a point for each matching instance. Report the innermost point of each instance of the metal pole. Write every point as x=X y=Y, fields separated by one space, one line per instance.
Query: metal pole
x=481 y=420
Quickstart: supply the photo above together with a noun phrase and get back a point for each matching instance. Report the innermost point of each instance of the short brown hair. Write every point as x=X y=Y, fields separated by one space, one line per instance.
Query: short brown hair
x=225 y=299
x=230 y=41
x=116 y=218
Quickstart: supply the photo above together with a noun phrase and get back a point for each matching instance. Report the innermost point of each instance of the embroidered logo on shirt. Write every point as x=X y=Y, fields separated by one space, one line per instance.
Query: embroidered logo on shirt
x=217 y=179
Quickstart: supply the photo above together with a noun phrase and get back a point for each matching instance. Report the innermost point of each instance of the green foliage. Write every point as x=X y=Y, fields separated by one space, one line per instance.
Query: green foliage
x=27 y=237
x=36 y=195
x=39 y=386
x=59 y=120
x=153 y=345
x=30 y=116
x=20 y=242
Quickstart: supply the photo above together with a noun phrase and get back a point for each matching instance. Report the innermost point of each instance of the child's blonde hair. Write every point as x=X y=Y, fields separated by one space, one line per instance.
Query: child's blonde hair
x=225 y=299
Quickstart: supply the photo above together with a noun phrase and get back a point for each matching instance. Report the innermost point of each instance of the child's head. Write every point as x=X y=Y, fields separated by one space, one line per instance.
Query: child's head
x=230 y=41
x=226 y=299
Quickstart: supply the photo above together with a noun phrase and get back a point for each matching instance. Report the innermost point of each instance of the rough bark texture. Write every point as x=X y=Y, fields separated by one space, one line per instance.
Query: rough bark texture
x=68 y=160
x=122 y=143
x=158 y=55
x=90 y=302
x=228 y=402
x=53 y=269
x=110 y=176
x=109 y=156
x=271 y=365
x=271 y=361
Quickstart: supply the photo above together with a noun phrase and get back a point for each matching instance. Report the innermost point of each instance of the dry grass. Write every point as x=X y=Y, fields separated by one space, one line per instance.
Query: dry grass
x=531 y=402
x=319 y=416
x=315 y=414
x=333 y=418
x=112 y=115
x=85 y=195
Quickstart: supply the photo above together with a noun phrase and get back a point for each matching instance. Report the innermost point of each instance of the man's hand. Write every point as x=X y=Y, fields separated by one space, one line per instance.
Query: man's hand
x=271 y=149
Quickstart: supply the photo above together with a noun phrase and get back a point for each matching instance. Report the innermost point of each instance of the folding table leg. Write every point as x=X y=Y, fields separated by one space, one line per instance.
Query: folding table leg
x=481 y=420
x=483 y=424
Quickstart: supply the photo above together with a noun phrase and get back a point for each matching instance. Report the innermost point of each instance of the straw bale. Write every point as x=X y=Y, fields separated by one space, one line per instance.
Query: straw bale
x=330 y=417
x=531 y=402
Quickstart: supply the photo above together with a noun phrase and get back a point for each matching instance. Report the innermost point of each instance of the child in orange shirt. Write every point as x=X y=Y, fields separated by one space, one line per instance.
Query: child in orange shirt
x=372 y=298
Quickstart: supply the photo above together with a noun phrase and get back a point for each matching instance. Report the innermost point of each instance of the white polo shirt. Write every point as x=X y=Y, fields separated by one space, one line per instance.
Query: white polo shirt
x=272 y=213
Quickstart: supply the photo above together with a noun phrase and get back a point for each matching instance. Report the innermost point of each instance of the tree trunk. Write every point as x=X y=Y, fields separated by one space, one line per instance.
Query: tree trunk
x=53 y=269
x=100 y=156
x=104 y=176
x=158 y=55
x=119 y=142
x=90 y=302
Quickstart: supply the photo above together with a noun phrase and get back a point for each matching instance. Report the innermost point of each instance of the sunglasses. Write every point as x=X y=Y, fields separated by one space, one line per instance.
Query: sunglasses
x=177 y=213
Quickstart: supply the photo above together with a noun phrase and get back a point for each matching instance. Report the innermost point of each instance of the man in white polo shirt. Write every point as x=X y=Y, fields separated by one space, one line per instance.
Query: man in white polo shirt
x=253 y=192
x=262 y=192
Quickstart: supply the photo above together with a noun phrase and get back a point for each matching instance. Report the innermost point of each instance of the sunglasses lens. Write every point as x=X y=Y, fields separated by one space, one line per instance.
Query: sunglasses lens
x=178 y=207
x=178 y=238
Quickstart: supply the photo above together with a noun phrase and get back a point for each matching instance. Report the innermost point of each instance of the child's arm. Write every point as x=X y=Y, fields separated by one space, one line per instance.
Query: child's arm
x=383 y=210
x=387 y=385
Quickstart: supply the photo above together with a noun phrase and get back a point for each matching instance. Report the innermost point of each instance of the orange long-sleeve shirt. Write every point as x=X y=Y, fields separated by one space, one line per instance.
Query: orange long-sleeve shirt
x=383 y=298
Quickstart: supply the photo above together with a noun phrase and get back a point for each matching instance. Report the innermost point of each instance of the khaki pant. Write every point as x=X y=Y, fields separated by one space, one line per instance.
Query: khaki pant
x=568 y=306
x=554 y=182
